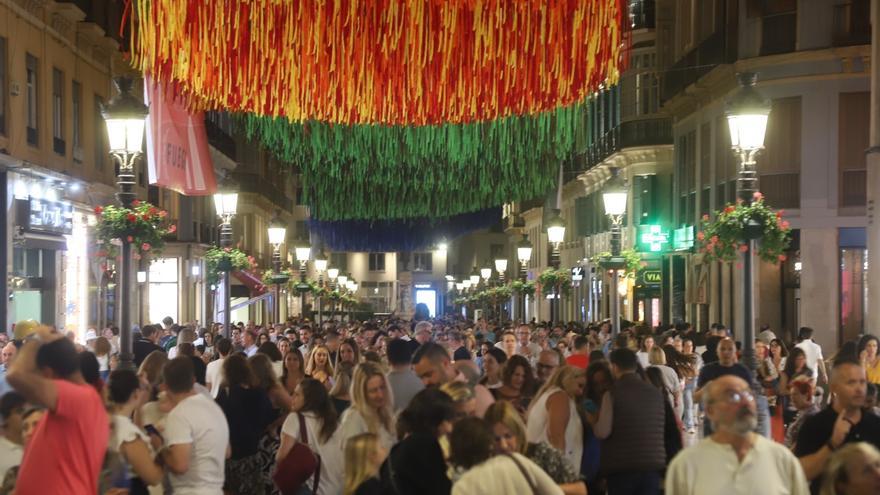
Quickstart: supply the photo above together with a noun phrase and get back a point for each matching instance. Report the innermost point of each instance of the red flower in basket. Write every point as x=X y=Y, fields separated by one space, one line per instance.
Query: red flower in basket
x=163 y=214
x=129 y=238
x=172 y=229
x=131 y=218
x=136 y=203
x=729 y=209
x=145 y=246
x=154 y=211
x=99 y=210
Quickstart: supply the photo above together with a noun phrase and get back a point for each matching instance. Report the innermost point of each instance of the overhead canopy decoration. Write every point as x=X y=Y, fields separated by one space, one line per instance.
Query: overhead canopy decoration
x=400 y=235
x=401 y=62
x=377 y=171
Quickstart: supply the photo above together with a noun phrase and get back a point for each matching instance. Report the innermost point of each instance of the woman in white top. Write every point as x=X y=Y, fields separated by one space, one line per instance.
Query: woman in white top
x=471 y=444
x=312 y=403
x=126 y=394
x=371 y=406
x=671 y=382
x=645 y=351
x=553 y=416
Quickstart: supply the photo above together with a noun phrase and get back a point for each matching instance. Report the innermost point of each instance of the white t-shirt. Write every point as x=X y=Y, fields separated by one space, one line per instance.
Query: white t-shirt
x=200 y=421
x=10 y=455
x=501 y=474
x=814 y=354
x=331 y=452
x=710 y=467
x=353 y=424
x=214 y=376
x=124 y=430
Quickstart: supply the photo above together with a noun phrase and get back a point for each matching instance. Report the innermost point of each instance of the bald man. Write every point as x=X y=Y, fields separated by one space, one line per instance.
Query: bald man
x=734 y=451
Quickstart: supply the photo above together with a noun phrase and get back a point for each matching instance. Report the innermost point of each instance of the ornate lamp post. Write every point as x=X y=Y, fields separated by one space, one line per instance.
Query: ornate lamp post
x=302 y=251
x=614 y=198
x=501 y=268
x=277 y=236
x=321 y=267
x=524 y=255
x=332 y=274
x=747 y=113
x=125 y=118
x=556 y=235
x=226 y=204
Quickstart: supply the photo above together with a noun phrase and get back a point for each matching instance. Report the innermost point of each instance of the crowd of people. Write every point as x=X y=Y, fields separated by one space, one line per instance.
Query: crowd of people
x=441 y=406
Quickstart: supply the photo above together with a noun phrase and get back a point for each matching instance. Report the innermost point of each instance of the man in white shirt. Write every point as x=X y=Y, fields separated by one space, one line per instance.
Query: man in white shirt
x=734 y=459
x=214 y=371
x=11 y=409
x=815 y=360
x=196 y=436
x=305 y=336
x=524 y=345
x=249 y=340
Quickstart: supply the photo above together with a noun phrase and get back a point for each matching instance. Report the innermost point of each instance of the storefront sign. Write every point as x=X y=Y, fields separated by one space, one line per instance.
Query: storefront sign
x=653 y=276
x=51 y=217
x=652 y=238
x=577 y=273
x=683 y=238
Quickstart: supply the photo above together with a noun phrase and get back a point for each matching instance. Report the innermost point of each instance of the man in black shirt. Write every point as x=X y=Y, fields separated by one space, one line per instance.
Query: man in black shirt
x=146 y=344
x=726 y=365
x=846 y=420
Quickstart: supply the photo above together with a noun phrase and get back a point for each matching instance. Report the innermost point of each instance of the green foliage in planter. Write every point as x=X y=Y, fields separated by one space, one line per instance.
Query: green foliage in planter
x=228 y=259
x=632 y=261
x=143 y=226
x=728 y=235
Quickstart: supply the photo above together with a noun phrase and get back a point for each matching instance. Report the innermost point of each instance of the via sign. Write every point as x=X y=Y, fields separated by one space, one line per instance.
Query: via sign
x=652 y=277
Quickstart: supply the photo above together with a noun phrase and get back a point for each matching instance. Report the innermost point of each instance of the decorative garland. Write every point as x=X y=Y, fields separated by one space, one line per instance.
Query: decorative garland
x=380 y=171
x=633 y=263
x=400 y=235
x=143 y=226
x=227 y=259
x=391 y=61
x=728 y=235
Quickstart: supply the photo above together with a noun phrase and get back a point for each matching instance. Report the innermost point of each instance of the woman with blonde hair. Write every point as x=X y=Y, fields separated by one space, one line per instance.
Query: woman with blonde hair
x=158 y=406
x=340 y=394
x=554 y=417
x=463 y=397
x=371 y=405
x=671 y=381
x=854 y=469
x=510 y=437
x=319 y=366
x=363 y=458
x=103 y=349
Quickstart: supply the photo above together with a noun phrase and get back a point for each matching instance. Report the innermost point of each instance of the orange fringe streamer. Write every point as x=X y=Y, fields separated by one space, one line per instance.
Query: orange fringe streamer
x=402 y=62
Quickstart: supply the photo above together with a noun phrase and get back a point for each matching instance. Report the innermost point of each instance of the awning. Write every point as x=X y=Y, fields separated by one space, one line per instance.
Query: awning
x=251 y=281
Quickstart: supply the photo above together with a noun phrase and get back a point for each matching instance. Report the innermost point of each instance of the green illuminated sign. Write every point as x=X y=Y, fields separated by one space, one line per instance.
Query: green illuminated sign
x=653 y=238
x=683 y=238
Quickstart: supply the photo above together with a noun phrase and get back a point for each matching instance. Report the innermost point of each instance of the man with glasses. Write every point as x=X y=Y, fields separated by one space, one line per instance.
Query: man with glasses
x=524 y=345
x=726 y=365
x=734 y=459
x=548 y=361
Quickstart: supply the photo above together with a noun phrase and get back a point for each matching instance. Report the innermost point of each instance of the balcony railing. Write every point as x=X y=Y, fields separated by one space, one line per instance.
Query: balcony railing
x=219 y=135
x=646 y=132
x=249 y=183
x=714 y=50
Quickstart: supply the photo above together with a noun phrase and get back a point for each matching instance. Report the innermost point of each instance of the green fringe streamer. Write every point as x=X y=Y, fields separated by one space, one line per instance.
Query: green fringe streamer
x=361 y=172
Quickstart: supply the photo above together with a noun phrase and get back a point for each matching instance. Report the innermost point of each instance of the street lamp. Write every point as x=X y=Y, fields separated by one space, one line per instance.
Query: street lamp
x=555 y=234
x=747 y=113
x=342 y=280
x=474 y=277
x=501 y=268
x=277 y=236
x=614 y=198
x=226 y=204
x=125 y=117
x=302 y=251
x=321 y=267
x=524 y=255
x=486 y=274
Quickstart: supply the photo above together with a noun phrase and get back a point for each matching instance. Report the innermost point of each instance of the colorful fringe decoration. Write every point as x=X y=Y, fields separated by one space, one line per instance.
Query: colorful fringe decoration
x=400 y=235
x=396 y=62
x=390 y=172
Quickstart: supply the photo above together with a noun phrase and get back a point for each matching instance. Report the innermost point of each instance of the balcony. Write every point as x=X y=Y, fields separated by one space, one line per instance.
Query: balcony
x=249 y=183
x=629 y=134
x=717 y=49
x=851 y=23
x=219 y=135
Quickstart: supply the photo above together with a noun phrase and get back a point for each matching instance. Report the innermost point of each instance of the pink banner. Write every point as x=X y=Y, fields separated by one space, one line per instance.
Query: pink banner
x=178 y=157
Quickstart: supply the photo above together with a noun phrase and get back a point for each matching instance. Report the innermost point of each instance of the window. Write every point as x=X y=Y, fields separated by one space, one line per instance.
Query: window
x=3 y=91
x=164 y=289
x=340 y=261
x=58 y=111
x=422 y=262
x=32 y=82
x=779 y=165
x=377 y=262
x=852 y=141
x=76 y=96
x=100 y=132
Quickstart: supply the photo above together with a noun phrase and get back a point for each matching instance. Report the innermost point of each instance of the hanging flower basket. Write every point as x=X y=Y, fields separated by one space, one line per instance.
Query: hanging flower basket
x=218 y=260
x=143 y=226
x=728 y=235
x=523 y=288
x=552 y=278
x=632 y=261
